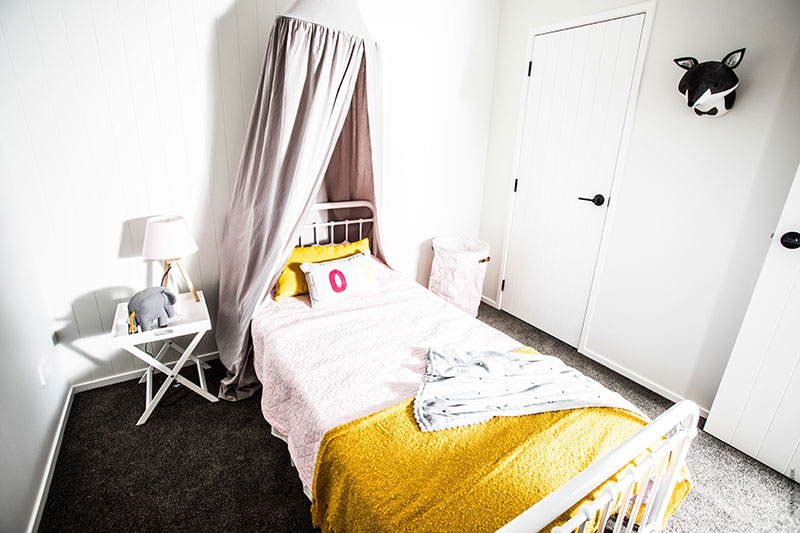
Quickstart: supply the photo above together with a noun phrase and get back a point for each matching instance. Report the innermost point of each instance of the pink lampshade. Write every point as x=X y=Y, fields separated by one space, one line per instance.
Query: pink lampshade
x=167 y=237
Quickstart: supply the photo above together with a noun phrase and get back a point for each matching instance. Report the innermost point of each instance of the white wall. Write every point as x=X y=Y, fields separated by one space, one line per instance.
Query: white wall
x=127 y=109
x=116 y=110
x=113 y=111
x=29 y=413
x=123 y=110
x=438 y=61
x=697 y=200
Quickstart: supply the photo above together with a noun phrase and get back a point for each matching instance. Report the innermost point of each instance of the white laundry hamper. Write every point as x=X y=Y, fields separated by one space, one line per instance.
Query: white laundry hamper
x=459 y=266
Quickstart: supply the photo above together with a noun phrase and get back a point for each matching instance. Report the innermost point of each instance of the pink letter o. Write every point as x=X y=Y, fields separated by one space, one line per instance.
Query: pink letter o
x=341 y=285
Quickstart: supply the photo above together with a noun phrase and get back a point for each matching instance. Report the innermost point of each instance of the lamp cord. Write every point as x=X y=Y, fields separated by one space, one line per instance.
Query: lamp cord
x=166 y=273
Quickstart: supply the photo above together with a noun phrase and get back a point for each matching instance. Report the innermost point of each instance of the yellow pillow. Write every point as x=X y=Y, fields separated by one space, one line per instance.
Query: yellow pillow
x=292 y=280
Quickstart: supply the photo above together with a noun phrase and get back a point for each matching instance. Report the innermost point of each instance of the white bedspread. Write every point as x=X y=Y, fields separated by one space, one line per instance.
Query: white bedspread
x=323 y=367
x=462 y=388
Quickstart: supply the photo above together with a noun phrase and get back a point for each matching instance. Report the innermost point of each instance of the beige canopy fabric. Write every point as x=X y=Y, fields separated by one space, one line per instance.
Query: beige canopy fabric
x=313 y=122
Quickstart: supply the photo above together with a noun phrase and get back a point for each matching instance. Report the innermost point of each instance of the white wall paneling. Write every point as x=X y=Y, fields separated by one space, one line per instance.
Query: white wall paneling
x=130 y=109
x=689 y=226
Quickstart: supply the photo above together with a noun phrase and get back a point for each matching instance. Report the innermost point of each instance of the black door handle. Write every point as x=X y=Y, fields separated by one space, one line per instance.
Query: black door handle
x=598 y=199
x=791 y=240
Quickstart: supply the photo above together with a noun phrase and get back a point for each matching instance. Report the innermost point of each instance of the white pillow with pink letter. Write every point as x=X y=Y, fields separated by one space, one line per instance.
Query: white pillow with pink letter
x=333 y=280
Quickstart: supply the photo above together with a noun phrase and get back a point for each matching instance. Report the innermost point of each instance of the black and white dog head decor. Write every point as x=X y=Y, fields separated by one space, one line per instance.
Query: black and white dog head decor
x=710 y=86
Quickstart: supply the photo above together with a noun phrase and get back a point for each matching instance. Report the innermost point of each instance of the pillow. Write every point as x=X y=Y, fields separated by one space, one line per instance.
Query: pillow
x=292 y=282
x=340 y=278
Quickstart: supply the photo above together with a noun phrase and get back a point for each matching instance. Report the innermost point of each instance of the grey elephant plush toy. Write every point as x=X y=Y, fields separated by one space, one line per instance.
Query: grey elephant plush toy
x=148 y=305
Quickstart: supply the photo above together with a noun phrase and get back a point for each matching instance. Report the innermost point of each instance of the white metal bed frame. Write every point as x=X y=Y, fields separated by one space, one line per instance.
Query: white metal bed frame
x=329 y=228
x=658 y=472
x=661 y=447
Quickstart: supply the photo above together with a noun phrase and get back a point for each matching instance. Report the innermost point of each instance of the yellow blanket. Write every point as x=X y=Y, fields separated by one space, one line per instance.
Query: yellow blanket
x=381 y=473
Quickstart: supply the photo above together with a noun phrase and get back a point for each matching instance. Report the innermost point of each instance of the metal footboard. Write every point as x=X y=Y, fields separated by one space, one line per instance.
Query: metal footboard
x=655 y=477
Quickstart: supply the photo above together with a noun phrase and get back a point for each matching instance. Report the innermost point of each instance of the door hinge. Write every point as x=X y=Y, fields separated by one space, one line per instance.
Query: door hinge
x=516 y=181
x=530 y=65
x=503 y=286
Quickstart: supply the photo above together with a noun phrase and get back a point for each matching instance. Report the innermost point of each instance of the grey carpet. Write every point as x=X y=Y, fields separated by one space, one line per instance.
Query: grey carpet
x=731 y=492
x=193 y=466
x=197 y=466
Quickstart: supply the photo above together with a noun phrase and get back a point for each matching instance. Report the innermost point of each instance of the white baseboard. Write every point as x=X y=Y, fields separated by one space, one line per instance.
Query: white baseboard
x=641 y=380
x=41 y=498
x=133 y=374
x=644 y=382
x=44 y=487
x=489 y=301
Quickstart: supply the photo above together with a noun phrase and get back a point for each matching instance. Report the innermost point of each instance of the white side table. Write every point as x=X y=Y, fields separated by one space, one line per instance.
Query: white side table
x=192 y=320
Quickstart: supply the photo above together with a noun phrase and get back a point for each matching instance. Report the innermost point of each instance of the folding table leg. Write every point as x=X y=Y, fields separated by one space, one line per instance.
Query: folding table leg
x=201 y=374
x=180 y=349
x=173 y=374
x=161 y=353
x=148 y=374
x=162 y=390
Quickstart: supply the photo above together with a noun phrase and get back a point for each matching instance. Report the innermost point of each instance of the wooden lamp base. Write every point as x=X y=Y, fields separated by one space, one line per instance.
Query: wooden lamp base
x=177 y=262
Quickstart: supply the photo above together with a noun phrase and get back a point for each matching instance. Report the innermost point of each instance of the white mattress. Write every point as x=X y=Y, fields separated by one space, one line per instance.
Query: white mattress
x=323 y=367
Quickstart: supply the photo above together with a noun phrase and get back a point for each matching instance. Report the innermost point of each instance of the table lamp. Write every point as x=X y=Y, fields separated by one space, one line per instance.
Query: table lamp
x=167 y=238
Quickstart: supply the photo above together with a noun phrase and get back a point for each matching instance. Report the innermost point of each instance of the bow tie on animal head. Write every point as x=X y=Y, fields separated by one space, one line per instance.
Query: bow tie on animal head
x=710 y=86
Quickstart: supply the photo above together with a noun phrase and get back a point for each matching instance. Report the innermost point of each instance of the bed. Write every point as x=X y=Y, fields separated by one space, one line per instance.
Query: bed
x=325 y=370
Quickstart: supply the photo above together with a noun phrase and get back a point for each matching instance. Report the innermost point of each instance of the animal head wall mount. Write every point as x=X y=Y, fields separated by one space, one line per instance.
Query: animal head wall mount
x=710 y=86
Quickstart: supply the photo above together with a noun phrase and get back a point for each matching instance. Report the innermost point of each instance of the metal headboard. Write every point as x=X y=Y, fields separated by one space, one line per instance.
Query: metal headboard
x=321 y=232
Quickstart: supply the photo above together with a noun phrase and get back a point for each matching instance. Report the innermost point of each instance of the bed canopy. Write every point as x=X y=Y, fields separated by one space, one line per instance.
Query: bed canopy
x=313 y=135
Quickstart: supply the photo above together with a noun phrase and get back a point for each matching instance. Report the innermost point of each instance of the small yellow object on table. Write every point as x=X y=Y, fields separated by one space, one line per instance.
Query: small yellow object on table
x=193 y=320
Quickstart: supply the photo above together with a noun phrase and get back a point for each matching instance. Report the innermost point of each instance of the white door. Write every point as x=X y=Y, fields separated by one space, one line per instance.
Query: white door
x=577 y=99
x=757 y=406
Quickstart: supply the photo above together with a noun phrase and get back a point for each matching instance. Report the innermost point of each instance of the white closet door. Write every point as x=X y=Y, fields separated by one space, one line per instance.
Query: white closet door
x=577 y=101
x=757 y=406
